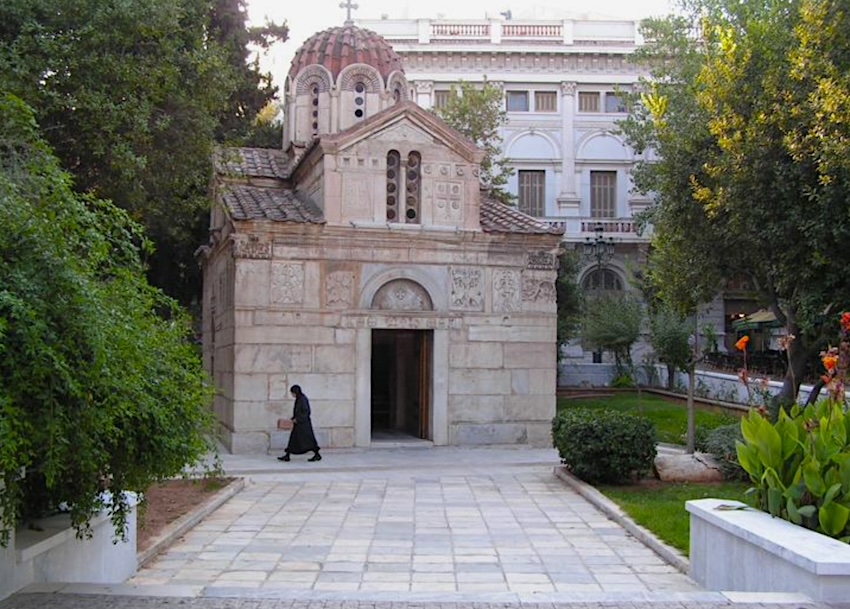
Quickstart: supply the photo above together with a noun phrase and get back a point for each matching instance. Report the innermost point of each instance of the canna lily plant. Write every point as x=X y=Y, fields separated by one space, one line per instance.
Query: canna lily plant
x=800 y=465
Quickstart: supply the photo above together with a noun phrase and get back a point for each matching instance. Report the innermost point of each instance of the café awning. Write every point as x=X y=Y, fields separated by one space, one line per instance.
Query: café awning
x=755 y=321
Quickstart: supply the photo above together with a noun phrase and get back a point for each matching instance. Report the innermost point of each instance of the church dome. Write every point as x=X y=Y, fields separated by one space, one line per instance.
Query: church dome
x=339 y=47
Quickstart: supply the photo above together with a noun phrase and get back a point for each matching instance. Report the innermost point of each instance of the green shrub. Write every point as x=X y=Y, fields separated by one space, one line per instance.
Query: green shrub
x=604 y=445
x=721 y=442
x=800 y=465
x=622 y=381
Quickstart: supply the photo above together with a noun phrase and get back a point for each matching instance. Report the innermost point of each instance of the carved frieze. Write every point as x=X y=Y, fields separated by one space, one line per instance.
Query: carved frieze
x=537 y=290
x=541 y=261
x=251 y=247
x=466 y=288
x=507 y=293
x=402 y=295
x=339 y=289
x=401 y=322
x=287 y=283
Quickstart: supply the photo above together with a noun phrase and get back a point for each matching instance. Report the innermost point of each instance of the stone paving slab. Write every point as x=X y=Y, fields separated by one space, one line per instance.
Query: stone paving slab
x=112 y=601
x=492 y=523
x=440 y=528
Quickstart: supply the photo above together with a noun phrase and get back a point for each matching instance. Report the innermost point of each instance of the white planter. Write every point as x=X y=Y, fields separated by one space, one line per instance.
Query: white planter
x=748 y=550
x=54 y=554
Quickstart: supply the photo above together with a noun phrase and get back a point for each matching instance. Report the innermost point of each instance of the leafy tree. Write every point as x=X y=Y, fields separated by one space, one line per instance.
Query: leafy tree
x=612 y=323
x=100 y=394
x=131 y=96
x=747 y=109
x=669 y=335
x=254 y=90
x=568 y=294
x=479 y=113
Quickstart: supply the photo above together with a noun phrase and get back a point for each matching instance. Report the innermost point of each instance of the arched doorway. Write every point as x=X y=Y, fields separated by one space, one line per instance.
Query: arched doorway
x=401 y=366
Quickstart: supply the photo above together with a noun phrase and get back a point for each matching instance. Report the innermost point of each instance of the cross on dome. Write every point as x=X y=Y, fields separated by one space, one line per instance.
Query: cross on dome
x=348 y=5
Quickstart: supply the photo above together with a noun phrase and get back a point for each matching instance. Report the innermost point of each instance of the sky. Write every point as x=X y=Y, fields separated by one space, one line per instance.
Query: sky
x=306 y=17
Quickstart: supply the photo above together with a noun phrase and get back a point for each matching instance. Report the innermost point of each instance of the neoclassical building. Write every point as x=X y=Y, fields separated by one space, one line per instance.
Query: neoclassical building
x=563 y=82
x=363 y=262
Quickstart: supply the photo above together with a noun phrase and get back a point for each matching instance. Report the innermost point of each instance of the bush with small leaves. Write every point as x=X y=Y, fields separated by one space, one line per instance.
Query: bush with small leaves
x=604 y=445
x=721 y=442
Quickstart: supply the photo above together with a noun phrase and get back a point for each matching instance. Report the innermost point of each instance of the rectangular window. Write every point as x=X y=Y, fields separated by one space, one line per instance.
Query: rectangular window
x=517 y=101
x=603 y=194
x=588 y=101
x=441 y=99
x=614 y=103
x=545 y=101
x=532 y=192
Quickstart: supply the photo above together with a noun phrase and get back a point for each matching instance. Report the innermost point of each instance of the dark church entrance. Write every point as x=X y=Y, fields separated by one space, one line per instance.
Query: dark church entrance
x=401 y=382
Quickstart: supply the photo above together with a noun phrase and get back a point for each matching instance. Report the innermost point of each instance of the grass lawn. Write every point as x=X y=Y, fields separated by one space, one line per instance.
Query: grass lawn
x=660 y=506
x=670 y=416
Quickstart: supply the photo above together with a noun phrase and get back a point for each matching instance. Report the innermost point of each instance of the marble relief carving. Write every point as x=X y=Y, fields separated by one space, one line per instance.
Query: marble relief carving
x=287 y=283
x=507 y=294
x=541 y=261
x=466 y=289
x=448 y=202
x=536 y=290
x=402 y=295
x=251 y=247
x=339 y=287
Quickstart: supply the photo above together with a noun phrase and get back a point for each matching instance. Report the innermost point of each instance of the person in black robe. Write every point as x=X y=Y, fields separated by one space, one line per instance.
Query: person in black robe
x=301 y=438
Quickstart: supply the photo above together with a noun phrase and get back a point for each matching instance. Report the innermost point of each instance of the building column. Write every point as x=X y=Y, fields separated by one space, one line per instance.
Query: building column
x=569 y=199
x=424 y=93
x=363 y=388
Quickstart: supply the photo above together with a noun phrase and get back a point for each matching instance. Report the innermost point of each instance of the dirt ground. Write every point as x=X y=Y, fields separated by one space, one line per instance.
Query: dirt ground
x=166 y=502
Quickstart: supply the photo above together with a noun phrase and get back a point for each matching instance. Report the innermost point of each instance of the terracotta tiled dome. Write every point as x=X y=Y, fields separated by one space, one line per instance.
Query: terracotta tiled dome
x=338 y=47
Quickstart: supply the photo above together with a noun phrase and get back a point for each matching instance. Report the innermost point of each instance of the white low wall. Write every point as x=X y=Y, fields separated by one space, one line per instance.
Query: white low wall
x=747 y=550
x=53 y=554
x=710 y=384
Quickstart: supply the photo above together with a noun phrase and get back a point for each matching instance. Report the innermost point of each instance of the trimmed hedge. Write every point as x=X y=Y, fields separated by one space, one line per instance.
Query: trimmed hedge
x=604 y=445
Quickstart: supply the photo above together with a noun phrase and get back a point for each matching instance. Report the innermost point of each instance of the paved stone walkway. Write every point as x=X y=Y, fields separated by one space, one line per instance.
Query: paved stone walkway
x=402 y=528
x=477 y=522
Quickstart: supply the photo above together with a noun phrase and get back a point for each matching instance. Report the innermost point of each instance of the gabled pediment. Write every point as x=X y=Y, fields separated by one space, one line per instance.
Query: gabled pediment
x=404 y=121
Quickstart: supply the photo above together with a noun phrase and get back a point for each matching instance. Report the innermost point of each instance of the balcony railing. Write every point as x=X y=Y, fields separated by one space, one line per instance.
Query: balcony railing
x=461 y=30
x=608 y=226
x=531 y=30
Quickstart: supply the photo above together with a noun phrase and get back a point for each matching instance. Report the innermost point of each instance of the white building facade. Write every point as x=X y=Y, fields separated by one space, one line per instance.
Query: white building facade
x=563 y=83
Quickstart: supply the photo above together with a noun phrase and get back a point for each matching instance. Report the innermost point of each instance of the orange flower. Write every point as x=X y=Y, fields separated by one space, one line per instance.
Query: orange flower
x=845 y=321
x=829 y=361
x=741 y=345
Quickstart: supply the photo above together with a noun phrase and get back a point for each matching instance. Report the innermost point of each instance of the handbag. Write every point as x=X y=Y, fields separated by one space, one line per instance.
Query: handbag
x=285 y=424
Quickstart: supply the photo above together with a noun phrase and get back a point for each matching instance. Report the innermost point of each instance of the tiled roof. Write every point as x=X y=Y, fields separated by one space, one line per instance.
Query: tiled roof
x=497 y=217
x=254 y=162
x=339 y=47
x=277 y=204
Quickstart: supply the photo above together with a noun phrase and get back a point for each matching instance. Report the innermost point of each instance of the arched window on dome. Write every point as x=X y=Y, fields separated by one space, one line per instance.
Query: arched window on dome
x=602 y=280
x=314 y=104
x=393 y=183
x=359 y=100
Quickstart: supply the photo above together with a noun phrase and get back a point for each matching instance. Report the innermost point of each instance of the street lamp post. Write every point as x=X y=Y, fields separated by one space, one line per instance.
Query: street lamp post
x=599 y=248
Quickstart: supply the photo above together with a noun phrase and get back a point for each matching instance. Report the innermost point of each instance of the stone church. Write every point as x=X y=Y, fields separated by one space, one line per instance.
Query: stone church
x=363 y=261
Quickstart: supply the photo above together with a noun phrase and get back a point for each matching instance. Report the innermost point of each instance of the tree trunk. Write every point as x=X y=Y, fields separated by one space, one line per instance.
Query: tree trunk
x=671 y=376
x=692 y=375
x=787 y=396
